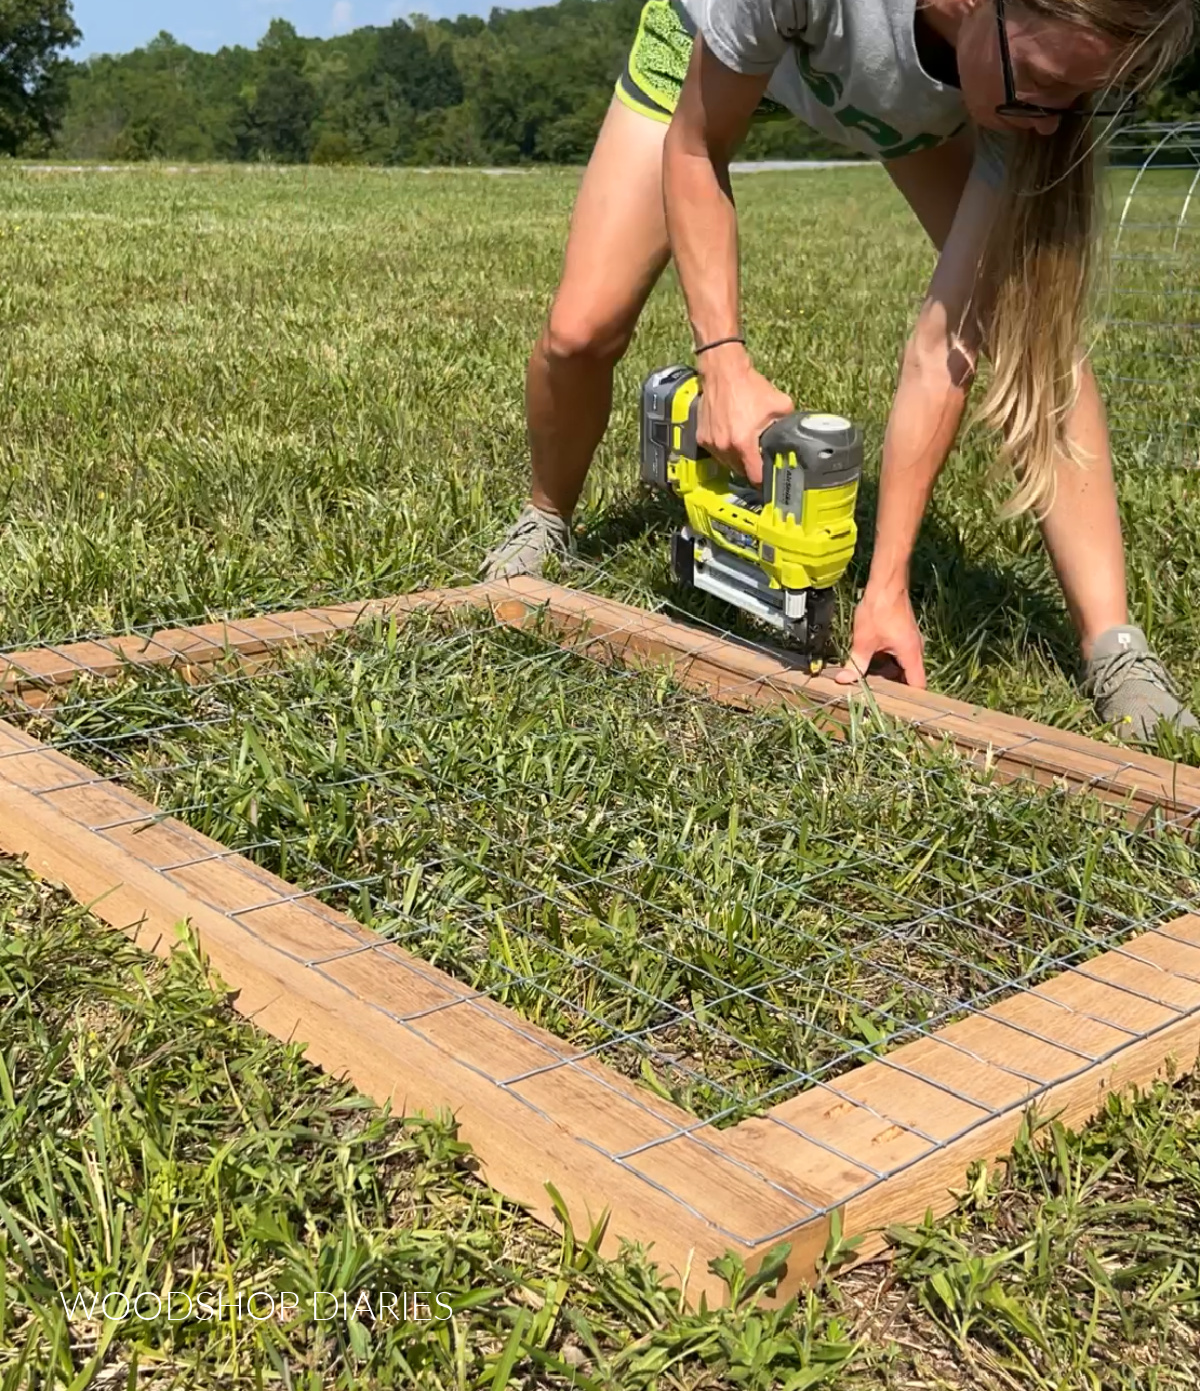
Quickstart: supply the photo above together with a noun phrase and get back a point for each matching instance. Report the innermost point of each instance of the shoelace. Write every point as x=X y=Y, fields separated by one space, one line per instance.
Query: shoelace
x=1114 y=670
x=525 y=527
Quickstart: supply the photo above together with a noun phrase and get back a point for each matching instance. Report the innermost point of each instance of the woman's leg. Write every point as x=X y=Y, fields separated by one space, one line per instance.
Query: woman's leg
x=1082 y=531
x=616 y=250
x=1127 y=683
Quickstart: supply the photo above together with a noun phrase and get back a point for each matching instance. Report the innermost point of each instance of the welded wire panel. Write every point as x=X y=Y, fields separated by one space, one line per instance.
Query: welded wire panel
x=728 y=908
x=1148 y=354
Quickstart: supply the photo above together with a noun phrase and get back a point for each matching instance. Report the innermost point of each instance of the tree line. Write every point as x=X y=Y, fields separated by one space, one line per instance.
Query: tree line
x=522 y=86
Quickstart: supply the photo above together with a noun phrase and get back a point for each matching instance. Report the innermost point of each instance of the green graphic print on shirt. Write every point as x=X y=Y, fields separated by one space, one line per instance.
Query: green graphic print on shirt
x=827 y=88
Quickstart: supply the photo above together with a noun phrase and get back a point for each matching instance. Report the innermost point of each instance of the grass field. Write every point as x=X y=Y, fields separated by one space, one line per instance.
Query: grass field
x=234 y=388
x=250 y=387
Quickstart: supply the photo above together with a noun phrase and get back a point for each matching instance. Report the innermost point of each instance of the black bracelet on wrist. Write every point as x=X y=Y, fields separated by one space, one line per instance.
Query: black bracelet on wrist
x=719 y=342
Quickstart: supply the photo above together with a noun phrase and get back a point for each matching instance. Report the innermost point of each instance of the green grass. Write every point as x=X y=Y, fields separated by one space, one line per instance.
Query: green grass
x=244 y=388
x=150 y=1140
x=248 y=386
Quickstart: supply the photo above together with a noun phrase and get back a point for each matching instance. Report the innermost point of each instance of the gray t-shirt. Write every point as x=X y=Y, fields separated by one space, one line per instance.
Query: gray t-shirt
x=850 y=69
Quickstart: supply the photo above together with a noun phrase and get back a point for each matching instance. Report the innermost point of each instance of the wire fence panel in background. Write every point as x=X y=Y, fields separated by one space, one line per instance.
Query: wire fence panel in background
x=1148 y=355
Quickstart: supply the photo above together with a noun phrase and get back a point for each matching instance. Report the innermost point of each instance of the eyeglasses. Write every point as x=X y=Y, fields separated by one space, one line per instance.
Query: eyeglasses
x=1013 y=106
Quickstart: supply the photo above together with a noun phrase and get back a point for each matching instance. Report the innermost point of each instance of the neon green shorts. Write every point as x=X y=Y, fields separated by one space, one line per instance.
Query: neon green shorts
x=658 y=63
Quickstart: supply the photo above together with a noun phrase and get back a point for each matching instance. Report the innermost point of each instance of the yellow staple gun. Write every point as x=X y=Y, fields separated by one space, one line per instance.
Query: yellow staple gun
x=775 y=553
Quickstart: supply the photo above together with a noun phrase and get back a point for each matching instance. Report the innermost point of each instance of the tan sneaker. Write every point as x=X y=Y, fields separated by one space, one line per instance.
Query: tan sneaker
x=531 y=539
x=1130 y=687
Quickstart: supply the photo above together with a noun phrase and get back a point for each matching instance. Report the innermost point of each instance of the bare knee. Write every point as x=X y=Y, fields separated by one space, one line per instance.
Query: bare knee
x=581 y=336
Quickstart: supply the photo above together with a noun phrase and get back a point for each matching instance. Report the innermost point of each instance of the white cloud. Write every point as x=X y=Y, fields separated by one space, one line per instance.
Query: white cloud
x=445 y=9
x=342 y=17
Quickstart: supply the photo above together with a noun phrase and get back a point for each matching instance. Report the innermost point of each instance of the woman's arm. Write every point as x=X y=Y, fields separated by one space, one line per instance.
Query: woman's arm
x=935 y=380
x=714 y=111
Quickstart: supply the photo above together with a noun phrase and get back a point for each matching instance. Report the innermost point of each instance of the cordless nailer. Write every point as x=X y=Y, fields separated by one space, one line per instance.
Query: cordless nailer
x=775 y=552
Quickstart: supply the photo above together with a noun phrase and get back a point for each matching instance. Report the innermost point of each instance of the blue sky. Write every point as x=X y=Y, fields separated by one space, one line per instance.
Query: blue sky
x=114 y=26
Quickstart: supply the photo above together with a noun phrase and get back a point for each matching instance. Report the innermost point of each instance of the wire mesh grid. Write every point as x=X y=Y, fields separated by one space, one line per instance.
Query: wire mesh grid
x=1148 y=354
x=728 y=909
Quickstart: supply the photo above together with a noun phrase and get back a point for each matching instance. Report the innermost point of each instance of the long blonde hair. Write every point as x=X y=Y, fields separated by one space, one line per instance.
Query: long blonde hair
x=1040 y=259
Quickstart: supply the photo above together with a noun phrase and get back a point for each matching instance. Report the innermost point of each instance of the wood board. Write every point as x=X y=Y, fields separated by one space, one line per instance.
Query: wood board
x=31 y=677
x=886 y=1143
x=726 y=669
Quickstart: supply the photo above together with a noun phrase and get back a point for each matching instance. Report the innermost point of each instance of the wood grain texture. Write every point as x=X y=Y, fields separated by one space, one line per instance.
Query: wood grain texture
x=882 y=1144
x=969 y=1086
x=727 y=669
x=30 y=677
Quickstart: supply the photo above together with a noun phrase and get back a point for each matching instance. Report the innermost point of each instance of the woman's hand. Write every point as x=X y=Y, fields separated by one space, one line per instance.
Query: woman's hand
x=736 y=406
x=884 y=624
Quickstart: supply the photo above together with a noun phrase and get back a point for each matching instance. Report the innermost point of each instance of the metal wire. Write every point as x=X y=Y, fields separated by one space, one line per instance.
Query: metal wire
x=1147 y=358
x=864 y=942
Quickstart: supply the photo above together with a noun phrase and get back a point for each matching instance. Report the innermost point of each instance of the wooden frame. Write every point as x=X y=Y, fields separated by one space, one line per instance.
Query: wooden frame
x=885 y=1143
